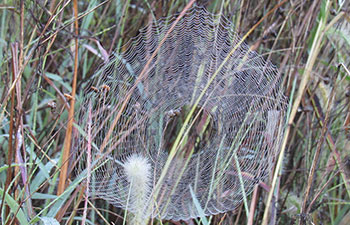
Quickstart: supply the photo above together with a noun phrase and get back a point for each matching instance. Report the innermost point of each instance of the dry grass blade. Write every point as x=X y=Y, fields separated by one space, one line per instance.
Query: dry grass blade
x=68 y=137
x=10 y=153
x=305 y=209
x=302 y=87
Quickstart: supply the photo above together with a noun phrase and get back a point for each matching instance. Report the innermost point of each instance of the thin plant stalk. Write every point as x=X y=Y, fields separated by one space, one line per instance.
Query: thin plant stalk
x=88 y=165
x=308 y=68
x=68 y=137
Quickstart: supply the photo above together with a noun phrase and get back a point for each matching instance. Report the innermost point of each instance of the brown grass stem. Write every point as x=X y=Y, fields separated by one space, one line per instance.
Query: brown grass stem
x=315 y=48
x=68 y=137
x=315 y=161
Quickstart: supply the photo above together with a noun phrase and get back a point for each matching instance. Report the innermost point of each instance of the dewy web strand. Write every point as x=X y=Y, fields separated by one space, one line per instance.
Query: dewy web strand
x=218 y=106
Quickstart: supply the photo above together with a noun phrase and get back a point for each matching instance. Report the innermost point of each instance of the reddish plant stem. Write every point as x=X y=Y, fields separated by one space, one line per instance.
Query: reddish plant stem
x=10 y=153
x=68 y=137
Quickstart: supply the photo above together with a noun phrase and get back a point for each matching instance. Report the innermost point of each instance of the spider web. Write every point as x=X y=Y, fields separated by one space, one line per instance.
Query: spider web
x=231 y=137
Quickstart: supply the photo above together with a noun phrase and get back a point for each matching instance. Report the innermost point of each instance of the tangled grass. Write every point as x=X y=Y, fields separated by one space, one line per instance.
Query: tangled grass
x=50 y=49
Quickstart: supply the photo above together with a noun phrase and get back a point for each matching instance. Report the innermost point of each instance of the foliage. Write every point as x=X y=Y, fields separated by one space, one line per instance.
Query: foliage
x=309 y=41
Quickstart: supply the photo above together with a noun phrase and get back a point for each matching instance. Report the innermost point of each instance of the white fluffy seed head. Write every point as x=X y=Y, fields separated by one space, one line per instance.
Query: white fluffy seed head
x=138 y=173
x=138 y=170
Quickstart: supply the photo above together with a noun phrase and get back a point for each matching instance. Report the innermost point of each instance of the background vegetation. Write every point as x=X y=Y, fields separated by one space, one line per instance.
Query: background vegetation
x=49 y=49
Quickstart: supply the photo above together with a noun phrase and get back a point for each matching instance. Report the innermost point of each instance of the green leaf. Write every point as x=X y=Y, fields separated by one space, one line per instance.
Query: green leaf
x=199 y=208
x=37 y=195
x=14 y=207
x=55 y=205
x=49 y=221
x=44 y=170
x=59 y=79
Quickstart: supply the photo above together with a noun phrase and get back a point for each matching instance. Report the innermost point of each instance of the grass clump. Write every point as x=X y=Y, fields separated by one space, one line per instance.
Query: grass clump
x=46 y=45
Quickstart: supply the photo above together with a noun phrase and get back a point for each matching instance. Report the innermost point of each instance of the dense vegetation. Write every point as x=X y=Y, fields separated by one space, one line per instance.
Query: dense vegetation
x=50 y=49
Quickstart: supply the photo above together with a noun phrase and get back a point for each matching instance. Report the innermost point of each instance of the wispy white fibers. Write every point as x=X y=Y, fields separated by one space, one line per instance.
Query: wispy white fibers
x=138 y=173
x=206 y=117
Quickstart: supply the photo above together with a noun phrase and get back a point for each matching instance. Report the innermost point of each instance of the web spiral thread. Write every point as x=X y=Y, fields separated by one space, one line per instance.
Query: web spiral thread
x=233 y=134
